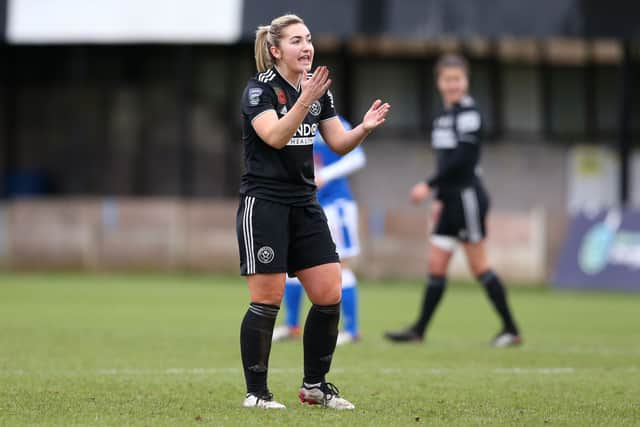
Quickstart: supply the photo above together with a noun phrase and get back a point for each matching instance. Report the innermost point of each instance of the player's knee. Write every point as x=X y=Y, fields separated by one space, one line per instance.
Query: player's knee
x=437 y=266
x=329 y=294
x=267 y=295
x=332 y=296
x=478 y=267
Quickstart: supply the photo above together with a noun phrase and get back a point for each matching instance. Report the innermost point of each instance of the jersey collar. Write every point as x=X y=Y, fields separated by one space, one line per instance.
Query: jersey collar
x=296 y=88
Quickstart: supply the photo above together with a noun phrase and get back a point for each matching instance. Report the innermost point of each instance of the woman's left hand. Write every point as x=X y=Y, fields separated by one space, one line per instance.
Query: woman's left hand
x=376 y=115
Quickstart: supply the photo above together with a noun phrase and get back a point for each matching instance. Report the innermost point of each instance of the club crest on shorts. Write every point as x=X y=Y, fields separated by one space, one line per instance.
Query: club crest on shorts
x=315 y=108
x=265 y=254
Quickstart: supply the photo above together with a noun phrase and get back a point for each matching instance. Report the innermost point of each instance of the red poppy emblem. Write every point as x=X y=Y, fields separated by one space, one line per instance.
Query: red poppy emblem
x=282 y=98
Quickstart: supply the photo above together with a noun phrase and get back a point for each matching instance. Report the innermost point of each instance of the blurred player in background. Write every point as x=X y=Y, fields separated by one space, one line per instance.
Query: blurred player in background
x=280 y=226
x=336 y=198
x=461 y=204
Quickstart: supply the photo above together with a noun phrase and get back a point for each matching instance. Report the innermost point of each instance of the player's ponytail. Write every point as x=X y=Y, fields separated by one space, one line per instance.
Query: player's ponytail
x=263 y=56
x=270 y=35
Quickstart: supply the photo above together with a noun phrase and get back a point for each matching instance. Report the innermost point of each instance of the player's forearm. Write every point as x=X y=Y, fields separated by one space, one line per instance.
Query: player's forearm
x=281 y=132
x=350 y=140
x=348 y=164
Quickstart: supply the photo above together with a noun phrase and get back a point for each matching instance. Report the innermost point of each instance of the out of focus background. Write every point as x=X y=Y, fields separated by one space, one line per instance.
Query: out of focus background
x=120 y=160
x=120 y=139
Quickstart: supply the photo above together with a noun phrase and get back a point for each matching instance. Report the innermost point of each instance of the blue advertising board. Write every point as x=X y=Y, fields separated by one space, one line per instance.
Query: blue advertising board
x=601 y=252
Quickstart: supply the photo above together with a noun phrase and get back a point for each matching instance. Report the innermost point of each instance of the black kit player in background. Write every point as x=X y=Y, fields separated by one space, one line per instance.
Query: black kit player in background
x=461 y=205
x=281 y=228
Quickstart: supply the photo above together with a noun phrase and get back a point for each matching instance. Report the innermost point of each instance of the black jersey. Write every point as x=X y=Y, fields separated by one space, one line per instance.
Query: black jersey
x=286 y=175
x=456 y=140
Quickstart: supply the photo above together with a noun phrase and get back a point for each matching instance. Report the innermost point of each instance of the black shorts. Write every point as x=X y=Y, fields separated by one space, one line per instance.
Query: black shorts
x=464 y=214
x=277 y=238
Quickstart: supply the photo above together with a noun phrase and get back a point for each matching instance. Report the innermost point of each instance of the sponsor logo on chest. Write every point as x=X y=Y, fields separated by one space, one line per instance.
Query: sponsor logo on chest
x=305 y=134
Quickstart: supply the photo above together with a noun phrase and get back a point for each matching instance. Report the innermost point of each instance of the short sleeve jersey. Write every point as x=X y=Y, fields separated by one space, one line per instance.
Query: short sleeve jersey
x=286 y=175
x=456 y=139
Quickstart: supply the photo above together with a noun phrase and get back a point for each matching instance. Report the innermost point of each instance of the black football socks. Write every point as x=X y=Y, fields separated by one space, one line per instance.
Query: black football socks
x=255 y=344
x=432 y=296
x=320 y=336
x=498 y=296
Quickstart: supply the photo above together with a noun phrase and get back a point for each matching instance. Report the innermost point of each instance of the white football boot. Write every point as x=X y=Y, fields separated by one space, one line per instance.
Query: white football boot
x=284 y=332
x=261 y=400
x=345 y=337
x=325 y=394
x=506 y=339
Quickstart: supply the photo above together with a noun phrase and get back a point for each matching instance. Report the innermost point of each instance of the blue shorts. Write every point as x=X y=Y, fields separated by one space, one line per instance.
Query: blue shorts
x=342 y=217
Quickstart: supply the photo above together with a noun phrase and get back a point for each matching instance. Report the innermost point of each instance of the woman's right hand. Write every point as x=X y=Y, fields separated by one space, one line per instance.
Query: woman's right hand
x=312 y=88
x=419 y=193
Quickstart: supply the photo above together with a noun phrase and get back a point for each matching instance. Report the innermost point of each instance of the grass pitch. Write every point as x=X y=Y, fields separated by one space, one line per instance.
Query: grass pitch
x=164 y=350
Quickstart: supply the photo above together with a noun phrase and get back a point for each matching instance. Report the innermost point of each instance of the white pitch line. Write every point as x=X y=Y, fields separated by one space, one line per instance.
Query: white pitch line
x=185 y=371
x=400 y=371
x=382 y=371
x=440 y=371
x=545 y=371
x=601 y=351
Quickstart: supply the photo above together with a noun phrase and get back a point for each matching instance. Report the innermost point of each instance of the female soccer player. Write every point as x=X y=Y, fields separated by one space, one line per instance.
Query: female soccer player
x=336 y=199
x=462 y=203
x=280 y=226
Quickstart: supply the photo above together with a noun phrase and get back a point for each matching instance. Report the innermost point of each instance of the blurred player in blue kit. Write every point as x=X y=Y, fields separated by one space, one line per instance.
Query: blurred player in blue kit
x=336 y=198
